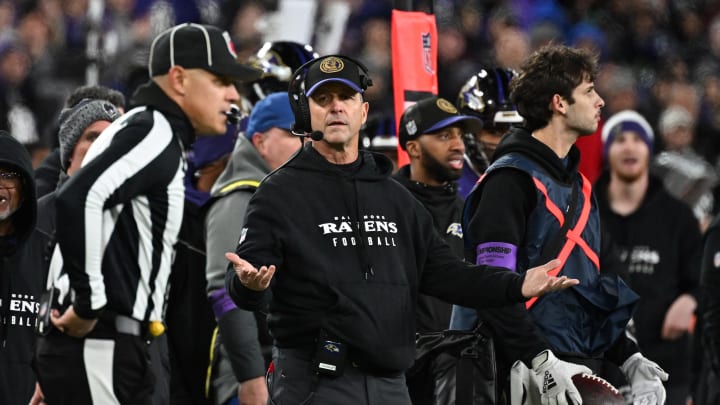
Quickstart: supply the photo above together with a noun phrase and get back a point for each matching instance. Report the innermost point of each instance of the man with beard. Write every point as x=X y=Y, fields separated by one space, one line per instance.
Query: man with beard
x=431 y=132
x=533 y=204
x=662 y=251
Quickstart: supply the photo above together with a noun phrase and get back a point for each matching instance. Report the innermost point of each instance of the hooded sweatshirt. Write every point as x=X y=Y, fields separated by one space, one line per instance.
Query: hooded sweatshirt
x=225 y=217
x=445 y=206
x=661 y=244
x=353 y=248
x=516 y=210
x=508 y=199
x=22 y=281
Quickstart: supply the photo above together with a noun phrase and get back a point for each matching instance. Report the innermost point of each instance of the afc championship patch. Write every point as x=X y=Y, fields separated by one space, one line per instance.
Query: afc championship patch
x=498 y=254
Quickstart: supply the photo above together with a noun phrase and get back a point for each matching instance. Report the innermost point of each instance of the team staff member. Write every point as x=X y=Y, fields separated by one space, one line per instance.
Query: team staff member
x=537 y=165
x=353 y=249
x=245 y=341
x=436 y=161
x=118 y=218
x=436 y=152
x=22 y=278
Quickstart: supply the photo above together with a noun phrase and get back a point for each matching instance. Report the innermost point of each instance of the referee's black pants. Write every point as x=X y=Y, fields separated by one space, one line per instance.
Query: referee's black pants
x=105 y=367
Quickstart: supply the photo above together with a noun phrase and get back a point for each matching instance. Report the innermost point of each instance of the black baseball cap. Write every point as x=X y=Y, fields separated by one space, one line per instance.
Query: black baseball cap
x=196 y=46
x=431 y=115
x=336 y=69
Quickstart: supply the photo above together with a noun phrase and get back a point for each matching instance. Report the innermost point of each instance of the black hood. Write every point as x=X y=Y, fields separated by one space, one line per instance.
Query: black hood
x=151 y=95
x=373 y=166
x=444 y=193
x=14 y=154
x=520 y=140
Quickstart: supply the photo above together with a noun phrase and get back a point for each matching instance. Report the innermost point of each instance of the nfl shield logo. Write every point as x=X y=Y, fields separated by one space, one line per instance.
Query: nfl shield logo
x=229 y=44
x=427 y=53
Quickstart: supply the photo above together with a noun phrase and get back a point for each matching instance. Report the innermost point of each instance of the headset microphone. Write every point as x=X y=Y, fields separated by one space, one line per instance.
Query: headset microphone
x=233 y=115
x=314 y=135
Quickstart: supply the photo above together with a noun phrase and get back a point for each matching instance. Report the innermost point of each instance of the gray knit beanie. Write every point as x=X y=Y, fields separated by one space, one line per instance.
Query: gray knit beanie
x=74 y=121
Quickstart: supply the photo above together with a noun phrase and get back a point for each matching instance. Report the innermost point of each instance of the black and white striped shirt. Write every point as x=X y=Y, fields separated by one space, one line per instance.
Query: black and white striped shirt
x=118 y=217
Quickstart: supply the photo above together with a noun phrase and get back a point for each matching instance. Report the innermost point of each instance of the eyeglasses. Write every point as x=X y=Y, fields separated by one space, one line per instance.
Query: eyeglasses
x=9 y=175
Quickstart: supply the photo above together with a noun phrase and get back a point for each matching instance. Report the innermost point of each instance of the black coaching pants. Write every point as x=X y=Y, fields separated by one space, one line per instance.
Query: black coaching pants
x=294 y=383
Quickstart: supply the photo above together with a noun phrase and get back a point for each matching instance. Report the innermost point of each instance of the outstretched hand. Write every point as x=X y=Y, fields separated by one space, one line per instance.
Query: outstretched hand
x=250 y=277
x=537 y=282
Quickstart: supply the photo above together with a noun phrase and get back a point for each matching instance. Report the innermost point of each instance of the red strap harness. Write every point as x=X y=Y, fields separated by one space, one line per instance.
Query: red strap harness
x=574 y=235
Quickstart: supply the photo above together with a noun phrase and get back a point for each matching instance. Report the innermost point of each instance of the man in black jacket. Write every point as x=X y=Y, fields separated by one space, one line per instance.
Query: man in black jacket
x=352 y=249
x=662 y=251
x=22 y=279
x=436 y=152
x=118 y=218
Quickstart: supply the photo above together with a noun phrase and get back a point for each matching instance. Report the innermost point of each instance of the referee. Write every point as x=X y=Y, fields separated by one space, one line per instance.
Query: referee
x=119 y=216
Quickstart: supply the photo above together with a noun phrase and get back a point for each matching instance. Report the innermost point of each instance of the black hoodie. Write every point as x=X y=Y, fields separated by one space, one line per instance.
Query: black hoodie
x=509 y=196
x=661 y=244
x=356 y=280
x=445 y=207
x=504 y=191
x=514 y=191
x=22 y=280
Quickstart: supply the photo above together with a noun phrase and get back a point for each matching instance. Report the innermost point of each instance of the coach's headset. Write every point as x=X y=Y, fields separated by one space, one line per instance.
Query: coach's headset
x=299 y=101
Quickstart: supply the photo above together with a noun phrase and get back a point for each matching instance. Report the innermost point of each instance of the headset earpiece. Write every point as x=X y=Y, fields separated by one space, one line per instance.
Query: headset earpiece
x=298 y=100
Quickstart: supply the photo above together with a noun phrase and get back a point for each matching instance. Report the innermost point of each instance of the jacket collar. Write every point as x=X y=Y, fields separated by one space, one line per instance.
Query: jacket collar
x=152 y=96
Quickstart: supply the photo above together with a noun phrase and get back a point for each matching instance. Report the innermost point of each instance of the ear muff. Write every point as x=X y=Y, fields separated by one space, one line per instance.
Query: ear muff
x=296 y=92
x=298 y=100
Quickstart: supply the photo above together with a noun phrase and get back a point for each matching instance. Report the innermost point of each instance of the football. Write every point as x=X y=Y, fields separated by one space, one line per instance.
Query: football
x=596 y=391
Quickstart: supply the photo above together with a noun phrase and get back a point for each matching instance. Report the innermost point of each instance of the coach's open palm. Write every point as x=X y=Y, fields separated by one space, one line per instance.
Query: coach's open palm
x=250 y=277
